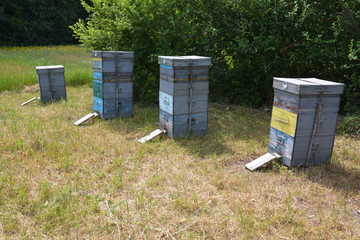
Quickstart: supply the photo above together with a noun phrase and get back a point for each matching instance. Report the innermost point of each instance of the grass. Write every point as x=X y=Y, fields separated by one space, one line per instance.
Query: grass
x=18 y=65
x=96 y=181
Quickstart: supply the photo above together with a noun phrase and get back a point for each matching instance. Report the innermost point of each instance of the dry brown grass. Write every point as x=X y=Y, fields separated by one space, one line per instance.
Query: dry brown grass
x=97 y=181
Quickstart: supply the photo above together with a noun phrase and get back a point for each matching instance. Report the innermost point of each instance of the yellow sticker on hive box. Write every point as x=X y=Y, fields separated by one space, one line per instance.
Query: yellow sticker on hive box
x=284 y=121
x=97 y=59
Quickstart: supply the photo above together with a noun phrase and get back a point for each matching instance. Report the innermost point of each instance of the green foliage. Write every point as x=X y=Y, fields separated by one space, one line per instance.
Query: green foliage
x=249 y=41
x=351 y=124
x=38 y=22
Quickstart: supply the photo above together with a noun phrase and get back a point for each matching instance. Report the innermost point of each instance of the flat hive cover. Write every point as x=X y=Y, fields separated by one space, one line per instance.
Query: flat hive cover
x=185 y=57
x=112 y=54
x=49 y=67
x=307 y=85
x=181 y=61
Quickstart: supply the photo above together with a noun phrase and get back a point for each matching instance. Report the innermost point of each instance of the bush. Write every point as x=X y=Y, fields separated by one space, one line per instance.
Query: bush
x=351 y=124
x=250 y=42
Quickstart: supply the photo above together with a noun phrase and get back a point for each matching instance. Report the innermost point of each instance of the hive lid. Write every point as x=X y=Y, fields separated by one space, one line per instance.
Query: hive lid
x=184 y=61
x=310 y=86
x=42 y=69
x=112 y=54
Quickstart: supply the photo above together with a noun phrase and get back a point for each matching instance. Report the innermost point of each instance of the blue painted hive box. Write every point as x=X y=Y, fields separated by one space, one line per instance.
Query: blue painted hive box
x=52 y=83
x=304 y=118
x=112 y=83
x=183 y=95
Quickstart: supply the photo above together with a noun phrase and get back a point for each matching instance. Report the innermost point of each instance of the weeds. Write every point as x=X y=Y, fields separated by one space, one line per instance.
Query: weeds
x=351 y=124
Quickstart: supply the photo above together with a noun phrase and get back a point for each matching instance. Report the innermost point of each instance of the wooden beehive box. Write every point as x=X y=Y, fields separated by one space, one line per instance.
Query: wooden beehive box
x=112 y=81
x=183 y=95
x=52 y=83
x=304 y=120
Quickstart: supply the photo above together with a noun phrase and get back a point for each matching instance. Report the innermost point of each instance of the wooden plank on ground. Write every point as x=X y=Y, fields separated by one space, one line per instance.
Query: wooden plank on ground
x=151 y=135
x=87 y=117
x=261 y=161
x=29 y=101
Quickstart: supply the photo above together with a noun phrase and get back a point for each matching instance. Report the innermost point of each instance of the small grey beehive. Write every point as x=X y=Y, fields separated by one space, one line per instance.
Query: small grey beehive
x=304 y=120
x=113 y=86
x=52 y=83
x=183 y=95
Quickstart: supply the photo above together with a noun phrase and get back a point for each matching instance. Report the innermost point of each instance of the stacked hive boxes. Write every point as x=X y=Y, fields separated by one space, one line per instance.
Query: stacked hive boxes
x=113 y=86
x=183 y=96
x=52 y=83
x=304 y=120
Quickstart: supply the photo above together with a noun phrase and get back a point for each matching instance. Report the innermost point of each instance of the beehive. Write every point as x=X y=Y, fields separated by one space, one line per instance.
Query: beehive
x=304 y=120
x=52 y=83
x=112 y=82
x=183 y=95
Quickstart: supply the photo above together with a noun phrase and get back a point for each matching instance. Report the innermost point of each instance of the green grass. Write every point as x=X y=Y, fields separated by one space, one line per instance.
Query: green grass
x=18 y=65
x=97 y=182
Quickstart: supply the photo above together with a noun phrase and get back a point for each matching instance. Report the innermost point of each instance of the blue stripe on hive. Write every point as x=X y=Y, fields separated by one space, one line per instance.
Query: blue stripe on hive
x=166 y=66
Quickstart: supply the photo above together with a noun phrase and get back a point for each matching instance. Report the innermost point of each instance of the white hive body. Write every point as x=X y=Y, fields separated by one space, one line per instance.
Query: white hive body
x=183 y=95
x=304 y=120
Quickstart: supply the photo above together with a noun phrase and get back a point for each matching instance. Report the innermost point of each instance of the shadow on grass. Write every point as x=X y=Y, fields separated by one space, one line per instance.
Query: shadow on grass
x=228 y=124
x=204 y=146
x=145 y=119
x=334 y=176
x=331 y=175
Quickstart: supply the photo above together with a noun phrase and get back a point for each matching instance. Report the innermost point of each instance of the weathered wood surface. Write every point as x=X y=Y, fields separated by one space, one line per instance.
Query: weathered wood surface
x=183 y=73
x=112 y=62
x=309 y=139
x=112 y=54
x=261 y=161
x=112 y=108
x=177 y=126
x=183 y=61
x=183 y=88
x=282 y=144
x=98 y=89
x=112 y=65
x=152 y=135
x=309 y=86
x=98 y=105
x=183 y=95
x=284 y=121
x=113 y=87
x=29 y=101
x=84 y=119
x=54 y=68
x=53 y=94
x=51 y=82
x=112 y=76
x=293 y=103
x=113 y=90
x=306 y=120
x=181 y=104
x=294 y=150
